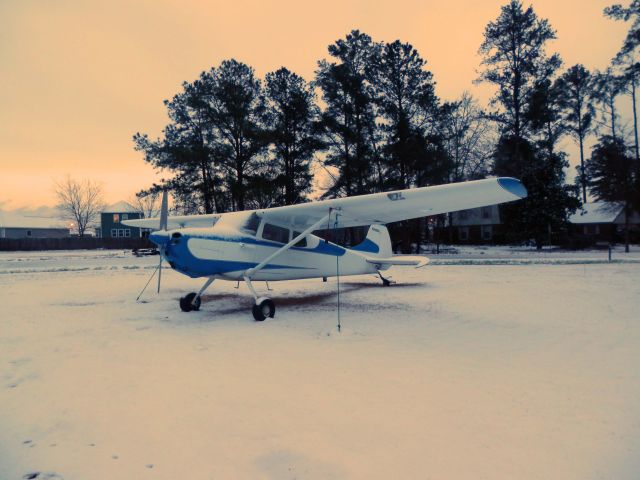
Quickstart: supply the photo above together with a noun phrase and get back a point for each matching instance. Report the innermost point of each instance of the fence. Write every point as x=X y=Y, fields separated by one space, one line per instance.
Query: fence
x=73 y=243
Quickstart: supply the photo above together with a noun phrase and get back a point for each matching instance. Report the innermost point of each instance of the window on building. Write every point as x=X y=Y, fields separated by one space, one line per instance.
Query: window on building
x=28 y=233
x=114 y=232
x=127 y=232
x=486 y=212
x=301 y=243
x=275 y=233
x=487 y=232
x=125 y=216
x=463 y=233
x=116 y=218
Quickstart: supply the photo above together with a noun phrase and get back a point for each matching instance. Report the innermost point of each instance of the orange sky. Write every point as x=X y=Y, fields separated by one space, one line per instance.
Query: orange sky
x=78 y=78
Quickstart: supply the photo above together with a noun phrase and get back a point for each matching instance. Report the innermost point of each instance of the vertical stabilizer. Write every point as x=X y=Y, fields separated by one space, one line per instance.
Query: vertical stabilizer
x=377 y=243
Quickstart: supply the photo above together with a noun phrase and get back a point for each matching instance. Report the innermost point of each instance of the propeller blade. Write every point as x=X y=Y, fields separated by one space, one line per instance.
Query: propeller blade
x=164 y=211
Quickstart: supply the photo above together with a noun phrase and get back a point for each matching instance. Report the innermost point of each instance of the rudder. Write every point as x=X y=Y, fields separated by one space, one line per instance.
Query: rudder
x=377 y=243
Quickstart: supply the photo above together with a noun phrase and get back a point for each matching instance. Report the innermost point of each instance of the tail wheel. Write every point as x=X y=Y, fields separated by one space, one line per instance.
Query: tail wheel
x=190 y=302
x=264 y=308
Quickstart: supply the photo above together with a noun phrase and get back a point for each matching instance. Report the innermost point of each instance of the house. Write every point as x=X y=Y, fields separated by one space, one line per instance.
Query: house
x=111 y=221
x=476 y=225
x=20 y=225
x=604 y=222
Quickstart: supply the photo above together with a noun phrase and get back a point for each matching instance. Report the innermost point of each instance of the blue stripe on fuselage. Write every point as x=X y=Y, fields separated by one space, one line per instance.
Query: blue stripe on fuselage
x=185 y=262
x=323 y=247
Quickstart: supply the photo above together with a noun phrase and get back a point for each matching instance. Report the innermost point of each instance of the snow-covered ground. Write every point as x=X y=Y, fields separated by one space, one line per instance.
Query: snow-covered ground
x=519 y=371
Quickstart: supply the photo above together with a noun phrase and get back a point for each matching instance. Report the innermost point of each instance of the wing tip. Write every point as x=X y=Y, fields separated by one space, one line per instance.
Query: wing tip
x=513 y=186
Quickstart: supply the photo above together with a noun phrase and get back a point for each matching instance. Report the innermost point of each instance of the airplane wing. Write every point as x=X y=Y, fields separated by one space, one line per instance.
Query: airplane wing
x=400 y=205
x=362 y=210
x=179 y=221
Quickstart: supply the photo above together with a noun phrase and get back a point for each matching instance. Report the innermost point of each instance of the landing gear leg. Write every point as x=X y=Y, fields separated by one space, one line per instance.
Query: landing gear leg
x=192 y=300
x=264 y=307
x=385 y=281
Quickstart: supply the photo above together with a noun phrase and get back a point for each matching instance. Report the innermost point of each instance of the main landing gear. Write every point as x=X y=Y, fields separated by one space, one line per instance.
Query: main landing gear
x=264 y=307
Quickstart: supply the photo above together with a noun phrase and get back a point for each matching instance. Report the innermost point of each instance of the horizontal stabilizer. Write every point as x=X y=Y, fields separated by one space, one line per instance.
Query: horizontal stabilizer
x=406 y=260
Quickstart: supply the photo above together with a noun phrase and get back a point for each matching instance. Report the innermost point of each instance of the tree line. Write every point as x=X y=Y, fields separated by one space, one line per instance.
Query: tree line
x=370 y=121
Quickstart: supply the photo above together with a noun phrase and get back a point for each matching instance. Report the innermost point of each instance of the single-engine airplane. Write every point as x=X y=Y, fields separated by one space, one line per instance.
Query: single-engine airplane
x=278 y=243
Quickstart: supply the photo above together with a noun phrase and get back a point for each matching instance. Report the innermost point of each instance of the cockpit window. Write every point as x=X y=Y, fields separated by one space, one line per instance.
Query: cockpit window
x=275 y=233
x=301 y=243
x=251 y=225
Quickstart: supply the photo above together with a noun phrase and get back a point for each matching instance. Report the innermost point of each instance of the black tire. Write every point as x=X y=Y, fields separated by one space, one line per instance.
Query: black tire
x=266 y=308
x=188 y=303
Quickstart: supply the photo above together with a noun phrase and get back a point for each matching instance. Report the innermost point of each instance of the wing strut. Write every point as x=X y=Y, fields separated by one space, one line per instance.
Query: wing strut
x=252 y=271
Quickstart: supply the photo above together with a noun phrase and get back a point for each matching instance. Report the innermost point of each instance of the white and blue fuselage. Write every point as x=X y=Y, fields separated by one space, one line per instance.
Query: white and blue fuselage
x=232 y=246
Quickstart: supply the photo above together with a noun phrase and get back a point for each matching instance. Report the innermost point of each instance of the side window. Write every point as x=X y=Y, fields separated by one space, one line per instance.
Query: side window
x=251 y=225
x=301 y=243
x=275 y=233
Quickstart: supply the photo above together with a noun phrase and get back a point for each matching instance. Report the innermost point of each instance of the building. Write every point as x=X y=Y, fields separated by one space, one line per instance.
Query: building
x=17 y=225
x=111 y=219
x=476 y=225
x=604 y=222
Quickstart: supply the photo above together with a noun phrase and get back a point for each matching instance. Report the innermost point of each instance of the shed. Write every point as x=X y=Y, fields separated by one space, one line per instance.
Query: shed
x=17 y=225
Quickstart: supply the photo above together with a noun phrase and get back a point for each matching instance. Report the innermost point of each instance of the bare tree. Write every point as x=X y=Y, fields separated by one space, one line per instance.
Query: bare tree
x=147 y=203
x=469 y=138
x=80 y=201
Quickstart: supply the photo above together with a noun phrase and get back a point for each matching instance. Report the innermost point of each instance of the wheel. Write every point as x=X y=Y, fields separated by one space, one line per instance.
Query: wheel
x=263 y=309
x=188 y=303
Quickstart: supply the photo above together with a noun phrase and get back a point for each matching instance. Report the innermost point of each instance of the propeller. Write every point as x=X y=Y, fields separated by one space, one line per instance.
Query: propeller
x=160 y=240
x=164 y=213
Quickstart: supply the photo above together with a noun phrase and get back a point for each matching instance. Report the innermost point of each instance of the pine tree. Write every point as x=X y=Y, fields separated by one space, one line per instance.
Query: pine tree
x=187 y=149
x=292 y=118
x=348 y=119
x=405 y=95
x=237 y=114
x=578 y=112
x=514 y=59
x=528 y=113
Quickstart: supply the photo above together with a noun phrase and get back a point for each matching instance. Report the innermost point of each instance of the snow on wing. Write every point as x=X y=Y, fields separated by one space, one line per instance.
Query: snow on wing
x=379 y=208
x=400 y=205
x=182 y=221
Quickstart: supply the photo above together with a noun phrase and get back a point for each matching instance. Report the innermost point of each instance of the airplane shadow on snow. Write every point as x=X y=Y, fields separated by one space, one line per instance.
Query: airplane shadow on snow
x=241 y=302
